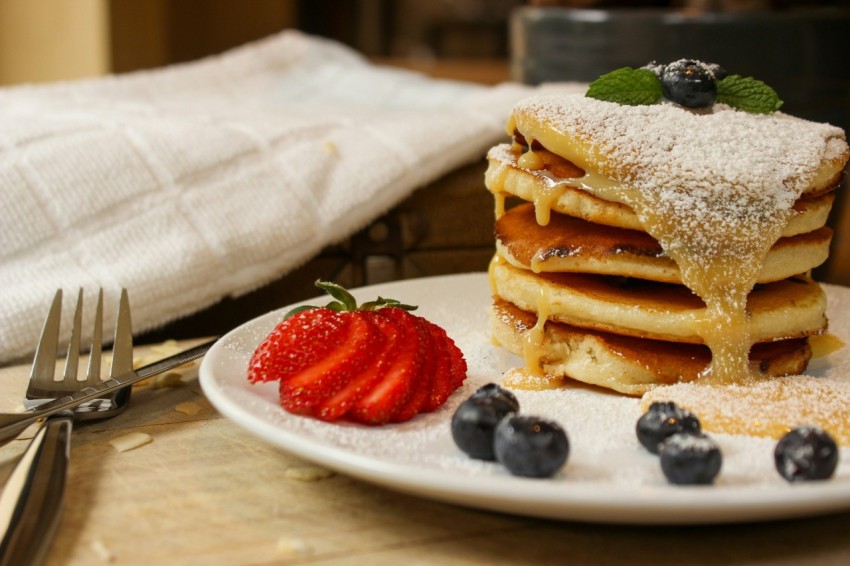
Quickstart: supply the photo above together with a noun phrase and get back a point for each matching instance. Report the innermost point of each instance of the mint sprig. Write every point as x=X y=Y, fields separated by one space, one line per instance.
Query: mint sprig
x=638 y=87
x=747 y=94
x=632 y=87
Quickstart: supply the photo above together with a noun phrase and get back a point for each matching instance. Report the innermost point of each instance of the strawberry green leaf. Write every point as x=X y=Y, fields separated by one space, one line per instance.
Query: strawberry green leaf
x=381 y=302
x=297 y=310
x=345 y=301
x=397 y=304
x=370 y=306
x=339 y=293
x=632 y=87
x=337 y=306
x=747 y=94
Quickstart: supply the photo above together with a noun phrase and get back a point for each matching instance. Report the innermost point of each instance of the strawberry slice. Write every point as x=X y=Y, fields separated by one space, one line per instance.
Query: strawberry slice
x=296 y=343
x=340 y=403
x=302 y=391
x=459 y=367
x=391 y=392
x=430 y=356
x=452 y=369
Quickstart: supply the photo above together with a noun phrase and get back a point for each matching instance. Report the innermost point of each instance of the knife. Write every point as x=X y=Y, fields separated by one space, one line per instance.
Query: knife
x=12 y=424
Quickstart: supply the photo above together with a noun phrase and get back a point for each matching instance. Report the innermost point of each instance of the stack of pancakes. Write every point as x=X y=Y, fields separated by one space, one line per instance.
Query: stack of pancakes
x=603 y=198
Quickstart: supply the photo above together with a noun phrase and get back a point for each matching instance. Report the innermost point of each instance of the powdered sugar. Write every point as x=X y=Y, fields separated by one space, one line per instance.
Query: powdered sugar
x=714 y=187
x=721 y=174
x=666 y=144
x=606 y=463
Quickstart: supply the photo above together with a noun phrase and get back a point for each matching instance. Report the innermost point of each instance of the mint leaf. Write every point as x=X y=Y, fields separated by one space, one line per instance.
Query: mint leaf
x=633 y=87
x=747 y=94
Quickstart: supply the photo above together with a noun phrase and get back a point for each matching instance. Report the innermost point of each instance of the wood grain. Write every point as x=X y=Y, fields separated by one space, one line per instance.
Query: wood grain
x=206 y=492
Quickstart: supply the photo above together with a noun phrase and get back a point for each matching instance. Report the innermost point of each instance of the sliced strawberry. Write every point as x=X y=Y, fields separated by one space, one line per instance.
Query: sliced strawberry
x=452 y=369
x=304 y=390
x=373 y=363
x=340 y=403
x=396 y=387
x=459 y=367
x=295 y=344
x=424 y=378
x=443 y=384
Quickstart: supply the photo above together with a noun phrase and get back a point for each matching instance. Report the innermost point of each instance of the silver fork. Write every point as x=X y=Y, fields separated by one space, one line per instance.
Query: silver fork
x=31 y=501
x=42 y=385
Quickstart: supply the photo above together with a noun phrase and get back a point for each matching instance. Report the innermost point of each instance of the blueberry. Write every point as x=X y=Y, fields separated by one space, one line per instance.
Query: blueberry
x=689 y=459
x=474 y=422
x=689 y=83
x=662 y=420
x=719 y=72
x=530 y=446
x=806 y=453
x=495 y=391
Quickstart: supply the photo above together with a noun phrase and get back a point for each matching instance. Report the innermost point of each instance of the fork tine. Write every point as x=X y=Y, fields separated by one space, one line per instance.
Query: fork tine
x=122 y=348
x=44 y=361
x=73 y=357
x=93 y=372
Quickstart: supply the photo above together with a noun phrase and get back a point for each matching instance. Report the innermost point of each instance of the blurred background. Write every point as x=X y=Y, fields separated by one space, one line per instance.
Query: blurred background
x=798 y=47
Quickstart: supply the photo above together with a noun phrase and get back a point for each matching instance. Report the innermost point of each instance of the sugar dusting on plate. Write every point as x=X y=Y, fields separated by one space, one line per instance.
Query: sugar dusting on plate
x=769 y=408
x=605 y=457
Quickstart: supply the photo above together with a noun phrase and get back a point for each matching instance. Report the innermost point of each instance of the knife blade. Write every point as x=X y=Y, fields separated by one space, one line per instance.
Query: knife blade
x=12 y=424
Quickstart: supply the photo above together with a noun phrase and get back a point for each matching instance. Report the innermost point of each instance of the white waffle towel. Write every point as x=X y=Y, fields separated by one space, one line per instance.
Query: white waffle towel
x=204 y=180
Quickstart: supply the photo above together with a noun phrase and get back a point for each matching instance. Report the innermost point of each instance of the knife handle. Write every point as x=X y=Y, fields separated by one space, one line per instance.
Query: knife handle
x=32 y=498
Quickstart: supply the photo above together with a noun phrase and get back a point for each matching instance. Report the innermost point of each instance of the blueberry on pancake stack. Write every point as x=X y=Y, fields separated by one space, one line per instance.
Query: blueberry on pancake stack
x=661 y=228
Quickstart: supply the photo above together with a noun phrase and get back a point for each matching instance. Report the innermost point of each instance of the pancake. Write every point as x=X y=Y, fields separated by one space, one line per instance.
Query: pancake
x=569 y=244
x=625 y=364
x=601 y=139
x=504 y=177
x=791 y=308
x=716 y=188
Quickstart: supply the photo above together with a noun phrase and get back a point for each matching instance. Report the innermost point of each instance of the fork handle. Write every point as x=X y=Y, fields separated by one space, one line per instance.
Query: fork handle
x=32 y=499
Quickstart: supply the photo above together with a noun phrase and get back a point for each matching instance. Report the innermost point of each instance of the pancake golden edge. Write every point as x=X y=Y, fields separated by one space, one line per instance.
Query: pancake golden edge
x=504 y=177
x=791 y=308
x=568 y=244
x=628 y=365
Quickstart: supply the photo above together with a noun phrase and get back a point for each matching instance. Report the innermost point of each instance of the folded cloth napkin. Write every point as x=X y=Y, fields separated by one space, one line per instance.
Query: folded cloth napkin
x=199 y=181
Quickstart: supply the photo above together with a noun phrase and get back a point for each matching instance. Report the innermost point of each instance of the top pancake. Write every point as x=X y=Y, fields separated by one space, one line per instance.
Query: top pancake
x=720 y=149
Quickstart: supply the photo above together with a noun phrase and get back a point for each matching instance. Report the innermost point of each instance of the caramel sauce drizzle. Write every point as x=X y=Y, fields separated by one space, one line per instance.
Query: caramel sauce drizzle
x=720 y=266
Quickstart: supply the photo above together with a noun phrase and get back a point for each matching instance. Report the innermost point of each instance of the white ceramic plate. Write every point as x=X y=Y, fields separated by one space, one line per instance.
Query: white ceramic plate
x=608 y=477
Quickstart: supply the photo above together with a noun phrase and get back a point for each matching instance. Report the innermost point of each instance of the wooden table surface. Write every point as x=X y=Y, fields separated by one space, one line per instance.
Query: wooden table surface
x=203 y=491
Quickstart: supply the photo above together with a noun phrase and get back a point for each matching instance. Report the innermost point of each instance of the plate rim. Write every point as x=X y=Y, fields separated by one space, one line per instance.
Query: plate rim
x=647 y=505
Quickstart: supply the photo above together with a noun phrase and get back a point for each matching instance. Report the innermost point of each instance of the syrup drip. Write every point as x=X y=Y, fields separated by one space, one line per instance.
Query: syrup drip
x=721 y=267
x=532 y=349
x=531 y=160
x=545 y=198
x=500 y=205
